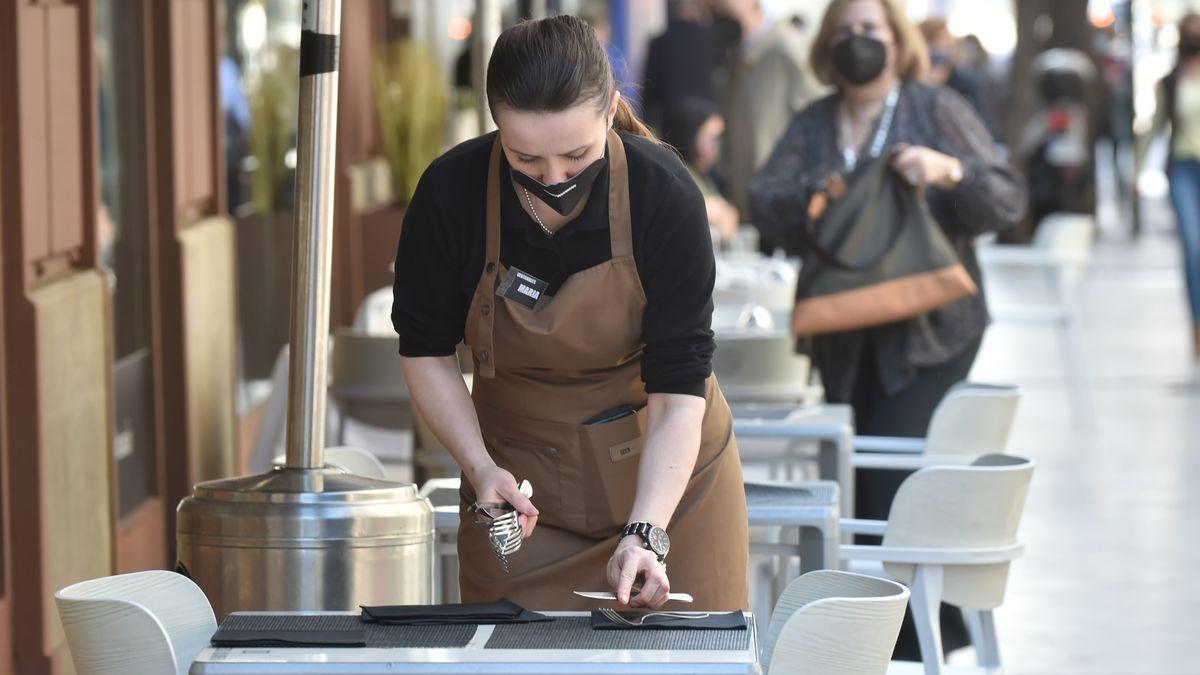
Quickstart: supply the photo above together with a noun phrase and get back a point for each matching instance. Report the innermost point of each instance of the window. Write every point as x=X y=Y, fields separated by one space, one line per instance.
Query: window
x=124 y=243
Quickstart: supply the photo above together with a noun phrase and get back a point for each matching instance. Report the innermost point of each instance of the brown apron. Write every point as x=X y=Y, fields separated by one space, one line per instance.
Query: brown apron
x=539 y=374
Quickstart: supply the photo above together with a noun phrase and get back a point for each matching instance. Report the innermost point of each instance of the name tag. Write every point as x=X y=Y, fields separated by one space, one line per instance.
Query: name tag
x=521 y=287
x=626 y=450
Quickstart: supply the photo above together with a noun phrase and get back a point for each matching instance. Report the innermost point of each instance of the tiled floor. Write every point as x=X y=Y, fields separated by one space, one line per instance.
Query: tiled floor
x=1111 y=579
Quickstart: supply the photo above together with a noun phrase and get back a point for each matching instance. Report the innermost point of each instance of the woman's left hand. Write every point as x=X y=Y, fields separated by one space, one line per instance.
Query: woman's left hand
x=630 y=561
x=924 y=167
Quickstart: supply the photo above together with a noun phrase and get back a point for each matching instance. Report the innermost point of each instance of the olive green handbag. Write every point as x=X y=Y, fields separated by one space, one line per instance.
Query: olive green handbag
x=877 y=256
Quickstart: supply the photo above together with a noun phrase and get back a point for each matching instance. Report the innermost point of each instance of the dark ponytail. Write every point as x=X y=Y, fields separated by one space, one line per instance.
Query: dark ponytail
x=552 y=65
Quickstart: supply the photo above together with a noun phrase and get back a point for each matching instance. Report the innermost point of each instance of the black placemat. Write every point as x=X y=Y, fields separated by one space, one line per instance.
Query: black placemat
x=501 y=611
x=575 y=632
x=378 y=636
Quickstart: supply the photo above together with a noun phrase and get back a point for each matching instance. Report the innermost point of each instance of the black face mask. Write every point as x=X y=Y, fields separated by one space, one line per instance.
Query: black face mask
x=859 y=59
x=562 y=197
x=1189 y=46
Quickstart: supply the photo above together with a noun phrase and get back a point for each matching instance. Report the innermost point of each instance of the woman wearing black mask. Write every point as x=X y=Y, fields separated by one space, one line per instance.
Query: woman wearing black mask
x=1179 y=104
x=571 y=251
x=893 y=375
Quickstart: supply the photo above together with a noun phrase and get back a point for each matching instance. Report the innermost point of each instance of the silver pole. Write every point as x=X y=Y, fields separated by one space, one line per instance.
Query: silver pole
x=311 y=252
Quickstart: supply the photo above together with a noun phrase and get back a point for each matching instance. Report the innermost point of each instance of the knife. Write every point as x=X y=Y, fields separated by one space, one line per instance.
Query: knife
x=609 y=595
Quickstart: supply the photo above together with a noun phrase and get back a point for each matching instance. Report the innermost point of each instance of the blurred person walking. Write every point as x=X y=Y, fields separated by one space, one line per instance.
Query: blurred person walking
x=767 y=81
x=1179 y=107
x=694 y=128
x=681 y=61
x=946 y=67
x=893 y=375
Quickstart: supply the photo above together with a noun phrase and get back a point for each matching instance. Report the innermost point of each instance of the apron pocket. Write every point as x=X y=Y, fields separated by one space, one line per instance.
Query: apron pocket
x=613 y=451
x=537 y=463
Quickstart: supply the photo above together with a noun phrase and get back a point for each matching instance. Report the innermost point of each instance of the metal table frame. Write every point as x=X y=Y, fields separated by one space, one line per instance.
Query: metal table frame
x=831 y=426
x=475 y=659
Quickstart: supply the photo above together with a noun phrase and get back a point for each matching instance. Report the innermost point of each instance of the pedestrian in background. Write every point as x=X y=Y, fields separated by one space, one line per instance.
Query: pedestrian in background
x=680 y=62
x=893 y=375
x=766 y=82
x=1179 y=106
x=946 y=67
x=694 y=128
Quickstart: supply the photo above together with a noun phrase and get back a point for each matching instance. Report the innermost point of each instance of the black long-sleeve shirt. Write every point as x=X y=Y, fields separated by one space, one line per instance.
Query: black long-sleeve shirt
x=442 y=246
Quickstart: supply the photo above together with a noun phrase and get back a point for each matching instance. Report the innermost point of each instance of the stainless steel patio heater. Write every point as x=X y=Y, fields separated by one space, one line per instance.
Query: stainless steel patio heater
x=306 y=536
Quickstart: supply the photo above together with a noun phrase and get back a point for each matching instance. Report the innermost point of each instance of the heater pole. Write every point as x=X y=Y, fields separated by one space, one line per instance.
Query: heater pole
x=312 y=251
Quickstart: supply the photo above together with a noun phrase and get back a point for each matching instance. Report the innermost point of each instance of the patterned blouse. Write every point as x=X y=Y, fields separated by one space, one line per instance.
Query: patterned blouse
x=991 y=196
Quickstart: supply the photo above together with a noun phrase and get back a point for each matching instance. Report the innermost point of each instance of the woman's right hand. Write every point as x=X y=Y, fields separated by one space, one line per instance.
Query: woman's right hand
x=495 y=485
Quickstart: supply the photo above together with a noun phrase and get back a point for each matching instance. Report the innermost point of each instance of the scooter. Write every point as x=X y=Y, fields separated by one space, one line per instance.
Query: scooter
x=1056 y=144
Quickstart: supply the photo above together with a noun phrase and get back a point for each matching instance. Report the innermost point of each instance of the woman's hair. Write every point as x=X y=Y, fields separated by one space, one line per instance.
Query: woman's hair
x=554 y=64
x=912 y=54
x=682 y=121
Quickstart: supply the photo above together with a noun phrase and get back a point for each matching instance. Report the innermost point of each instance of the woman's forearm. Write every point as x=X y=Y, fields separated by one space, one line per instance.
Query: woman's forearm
x=441 y=396
x=669 y=457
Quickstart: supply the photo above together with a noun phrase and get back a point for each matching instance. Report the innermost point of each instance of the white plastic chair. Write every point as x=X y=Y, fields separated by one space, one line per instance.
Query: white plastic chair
x=145 y=623
x=951 y=535
x=350 y=459
x=829 y=623
x=269 y=441
x=971 y=420
x=442 y=493
x=1061 y=250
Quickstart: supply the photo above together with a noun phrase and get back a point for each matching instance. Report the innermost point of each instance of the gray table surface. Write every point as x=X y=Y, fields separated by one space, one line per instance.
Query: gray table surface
x=567 y=645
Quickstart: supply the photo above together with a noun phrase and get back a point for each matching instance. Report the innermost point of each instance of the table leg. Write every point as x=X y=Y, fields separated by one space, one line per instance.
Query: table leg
x=835 y=461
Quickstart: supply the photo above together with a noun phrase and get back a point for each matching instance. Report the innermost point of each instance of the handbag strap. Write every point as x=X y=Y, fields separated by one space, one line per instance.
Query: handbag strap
x=882 y=130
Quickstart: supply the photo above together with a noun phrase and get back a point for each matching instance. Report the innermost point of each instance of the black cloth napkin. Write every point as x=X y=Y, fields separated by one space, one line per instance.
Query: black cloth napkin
x=502 y=611
x=343 y=637
x=714 y=621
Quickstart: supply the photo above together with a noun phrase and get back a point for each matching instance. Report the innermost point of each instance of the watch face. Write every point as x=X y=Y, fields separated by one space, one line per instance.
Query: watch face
x=660 y=543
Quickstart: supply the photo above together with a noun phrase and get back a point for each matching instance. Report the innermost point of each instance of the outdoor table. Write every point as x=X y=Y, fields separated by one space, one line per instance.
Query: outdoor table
x=566 y=645
x=831 y=426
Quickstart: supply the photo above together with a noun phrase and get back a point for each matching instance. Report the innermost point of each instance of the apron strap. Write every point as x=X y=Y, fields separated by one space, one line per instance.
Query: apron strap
x=619 y=232
x=620 y=226
x=491 y=264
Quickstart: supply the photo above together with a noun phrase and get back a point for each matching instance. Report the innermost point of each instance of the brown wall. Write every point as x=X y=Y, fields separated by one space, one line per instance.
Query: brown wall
x=56 y=439
x=56 y=339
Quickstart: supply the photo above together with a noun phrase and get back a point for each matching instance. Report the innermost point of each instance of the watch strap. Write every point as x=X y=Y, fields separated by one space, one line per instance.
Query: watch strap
x=642 y=529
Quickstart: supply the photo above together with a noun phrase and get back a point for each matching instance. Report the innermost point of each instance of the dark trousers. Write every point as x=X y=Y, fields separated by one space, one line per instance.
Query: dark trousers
x=905 y=413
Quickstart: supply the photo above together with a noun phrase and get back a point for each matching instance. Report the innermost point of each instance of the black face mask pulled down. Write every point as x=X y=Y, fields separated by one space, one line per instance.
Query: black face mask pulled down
x=859 y=59
x=562 y=197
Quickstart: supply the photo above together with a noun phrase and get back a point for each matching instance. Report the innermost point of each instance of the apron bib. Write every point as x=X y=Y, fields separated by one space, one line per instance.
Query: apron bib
x=539 y=375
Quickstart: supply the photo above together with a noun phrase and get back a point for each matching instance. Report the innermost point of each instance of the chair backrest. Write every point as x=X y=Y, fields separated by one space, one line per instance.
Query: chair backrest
x=441 y=491
x=274 y=417
x=353 y=460
x=832 y=622
x=964 y=508
x=972 y=419
x=1069 y=237
x=1070 y=234
x=366 y=365
x=145 y=623
x=356 y=461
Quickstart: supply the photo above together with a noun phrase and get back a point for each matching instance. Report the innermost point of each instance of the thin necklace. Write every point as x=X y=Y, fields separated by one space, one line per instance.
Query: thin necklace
x=548 y=231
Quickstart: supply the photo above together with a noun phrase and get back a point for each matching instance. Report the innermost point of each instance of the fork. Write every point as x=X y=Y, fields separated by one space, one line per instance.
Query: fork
x=616 y=617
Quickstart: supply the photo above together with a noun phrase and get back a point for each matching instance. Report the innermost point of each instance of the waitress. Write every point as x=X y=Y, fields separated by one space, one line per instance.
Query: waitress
x=571 y=251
